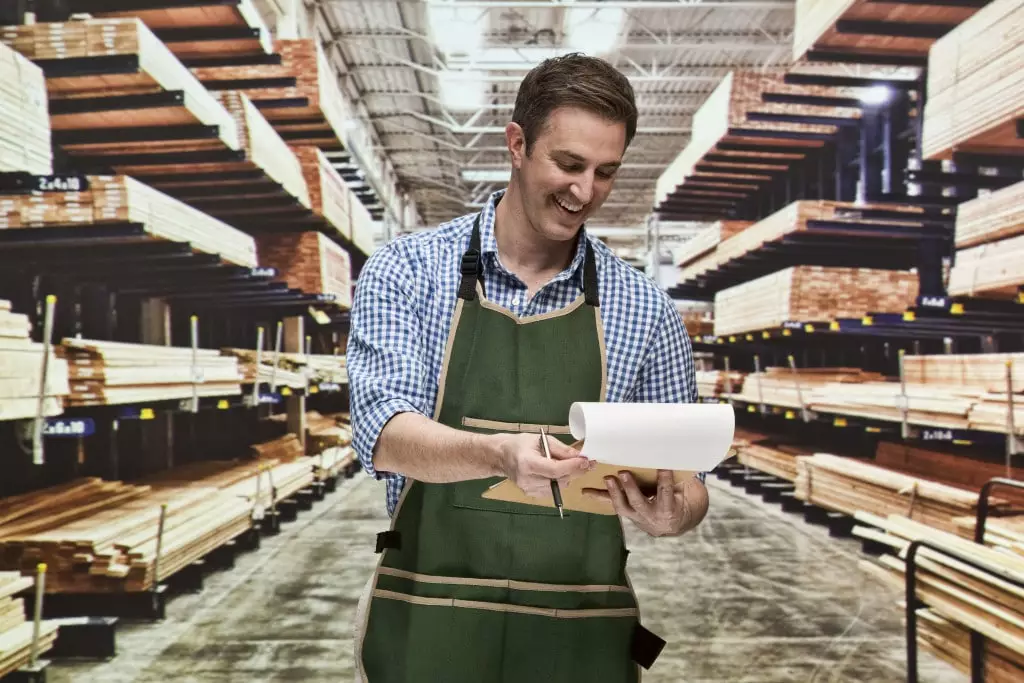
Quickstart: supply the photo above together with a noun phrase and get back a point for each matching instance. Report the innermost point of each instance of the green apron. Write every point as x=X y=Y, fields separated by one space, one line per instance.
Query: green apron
x=470 y=590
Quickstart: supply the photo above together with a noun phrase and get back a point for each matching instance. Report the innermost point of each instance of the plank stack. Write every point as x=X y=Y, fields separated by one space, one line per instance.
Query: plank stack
x=119 y=199
x=958 y=597
x=89 y=112
x=330 y=197
x=25 y=135
x=976 y=85
x=817 y=26
x=851 y=486
x=945 y=468
x=111 y=373
x=785 y=388
x=994 y=270
x=811 y=294
x=990 y=217
x=707 y=240
x=15 y=630
x=713 y=383
x=309 y=261
x=295 y=367
x=1006 y=533
x=774 y=459
x=21 y=367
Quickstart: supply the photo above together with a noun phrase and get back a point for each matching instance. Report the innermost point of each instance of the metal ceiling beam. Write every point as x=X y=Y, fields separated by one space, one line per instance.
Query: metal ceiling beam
x=604 y=4
x=657 y=41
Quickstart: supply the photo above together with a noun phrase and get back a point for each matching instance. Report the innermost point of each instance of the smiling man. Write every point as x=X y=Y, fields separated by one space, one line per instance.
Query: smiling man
x=465 y=342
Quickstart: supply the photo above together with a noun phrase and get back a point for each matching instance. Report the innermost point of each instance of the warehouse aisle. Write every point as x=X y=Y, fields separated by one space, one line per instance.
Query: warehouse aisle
x=754 y=596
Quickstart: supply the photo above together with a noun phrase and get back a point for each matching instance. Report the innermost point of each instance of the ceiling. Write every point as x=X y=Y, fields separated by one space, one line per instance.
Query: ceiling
x=438 y=80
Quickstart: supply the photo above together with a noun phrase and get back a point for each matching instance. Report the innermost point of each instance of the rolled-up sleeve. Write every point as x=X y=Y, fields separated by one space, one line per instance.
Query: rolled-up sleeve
x=385 y=360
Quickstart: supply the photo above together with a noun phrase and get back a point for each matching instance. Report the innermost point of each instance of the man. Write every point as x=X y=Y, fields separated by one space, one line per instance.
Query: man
x=465 y=342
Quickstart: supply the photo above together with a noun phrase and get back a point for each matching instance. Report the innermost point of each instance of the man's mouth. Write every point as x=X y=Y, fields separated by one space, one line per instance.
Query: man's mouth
x=569 y=206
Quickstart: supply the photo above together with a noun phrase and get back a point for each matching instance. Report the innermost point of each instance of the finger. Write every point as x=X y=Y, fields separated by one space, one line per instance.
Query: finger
x=559 y=469
x=666 y=492
x=619 y=502
x=634 y=495
x=559 y=451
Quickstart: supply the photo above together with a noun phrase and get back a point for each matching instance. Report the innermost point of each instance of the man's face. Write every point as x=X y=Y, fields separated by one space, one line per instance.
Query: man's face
x=569 y=171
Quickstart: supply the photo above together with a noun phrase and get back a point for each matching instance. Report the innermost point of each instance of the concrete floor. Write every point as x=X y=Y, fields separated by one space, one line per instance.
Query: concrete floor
x=753 y=596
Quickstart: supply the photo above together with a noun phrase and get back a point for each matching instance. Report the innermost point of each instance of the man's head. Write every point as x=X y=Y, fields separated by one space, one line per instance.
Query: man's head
x=574 y=118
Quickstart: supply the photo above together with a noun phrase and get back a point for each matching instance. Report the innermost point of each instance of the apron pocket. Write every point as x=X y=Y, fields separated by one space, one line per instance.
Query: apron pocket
x=414 y=639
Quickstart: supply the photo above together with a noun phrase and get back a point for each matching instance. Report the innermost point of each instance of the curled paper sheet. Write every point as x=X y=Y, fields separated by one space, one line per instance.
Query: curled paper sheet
x=693 y=437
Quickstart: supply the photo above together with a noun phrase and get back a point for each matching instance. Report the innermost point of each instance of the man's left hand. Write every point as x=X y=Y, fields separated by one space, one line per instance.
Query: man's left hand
x=675 y=509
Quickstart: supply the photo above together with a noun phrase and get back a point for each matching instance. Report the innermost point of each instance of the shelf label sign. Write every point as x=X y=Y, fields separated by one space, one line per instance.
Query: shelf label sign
x=937 y=434
x=61 y=183
x=934 y=302
x=64 y=427
x=330 y=386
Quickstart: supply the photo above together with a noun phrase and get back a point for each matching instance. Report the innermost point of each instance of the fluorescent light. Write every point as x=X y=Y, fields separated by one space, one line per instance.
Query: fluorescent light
x=456 y=30
x=489 y=175
x=594 y=31
x=878 y=94
x=462 y=90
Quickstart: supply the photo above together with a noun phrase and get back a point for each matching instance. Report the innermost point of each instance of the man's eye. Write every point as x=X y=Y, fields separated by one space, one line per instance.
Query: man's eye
x=571 y=168
x=606 y=174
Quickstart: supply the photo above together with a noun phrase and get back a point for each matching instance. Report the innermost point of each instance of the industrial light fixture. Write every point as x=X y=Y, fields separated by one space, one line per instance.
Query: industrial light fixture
x=489 y=175
x=594 y=31
x=876 y=95
x=462 y=90
x=456 y=30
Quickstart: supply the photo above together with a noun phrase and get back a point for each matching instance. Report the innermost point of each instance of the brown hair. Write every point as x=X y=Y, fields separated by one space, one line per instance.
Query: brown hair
x=574 y=80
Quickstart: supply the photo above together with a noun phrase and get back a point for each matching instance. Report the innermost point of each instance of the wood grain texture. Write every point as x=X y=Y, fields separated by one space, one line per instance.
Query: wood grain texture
x=308 y=261
x=811 y=294
x=25 y=133
x=15 y=629
x=330 y=196
x=113 y=199
x=994 y=270
x=707 y=240
x=21 y=366
x=976 y=85
x=994 y=216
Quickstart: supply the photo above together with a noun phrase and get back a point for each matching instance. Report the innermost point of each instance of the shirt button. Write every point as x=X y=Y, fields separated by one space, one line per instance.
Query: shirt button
x=515 y=300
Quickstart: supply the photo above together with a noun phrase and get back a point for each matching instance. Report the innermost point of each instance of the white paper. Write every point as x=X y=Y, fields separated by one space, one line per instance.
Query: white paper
x=693 y=437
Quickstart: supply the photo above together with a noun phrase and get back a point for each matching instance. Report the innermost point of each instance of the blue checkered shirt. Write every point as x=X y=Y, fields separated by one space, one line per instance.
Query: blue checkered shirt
x=403 y=306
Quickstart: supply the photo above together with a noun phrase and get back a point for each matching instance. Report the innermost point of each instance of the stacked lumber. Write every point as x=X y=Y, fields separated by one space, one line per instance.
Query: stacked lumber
x=308 y=261
x=314 y=367
x=1000 y=532
x=790 y=220
x=698 y=322
x=119 y=199
x=333 y=461
x=982 y=371
x=362 y=225
x=158 y=70
x=812 y=294
x=15 y=630
x=164 y=17
x=324 y=433
x=111 y=373
x=976 y=85
x=853 y=486
x=712 y=383
x=708 y=239
x=990 y=217
x=776 y=460
x=959 y=597
x=816 y=26
x=785 y=388
x=993 y=270
x=21 y=367
x=25 y=135
x=946 y=468
x=329 y=195
x=320 y=122
x=287 y=448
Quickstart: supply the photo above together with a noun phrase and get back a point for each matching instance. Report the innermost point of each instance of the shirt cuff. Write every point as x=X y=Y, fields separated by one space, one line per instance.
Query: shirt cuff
x=367 y=426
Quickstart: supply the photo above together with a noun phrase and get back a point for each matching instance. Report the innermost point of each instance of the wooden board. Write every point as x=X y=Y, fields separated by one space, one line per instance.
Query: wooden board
x=293 y=369
x=308 y=261
x=811 y=294
x=986 y=372
x=707 y=240
x=976 y=85
x=330 y=196
x=816 y=26
x=994 y=216
x=120 y=198
x=21 y=362
x=993 y=270
x=25 y=134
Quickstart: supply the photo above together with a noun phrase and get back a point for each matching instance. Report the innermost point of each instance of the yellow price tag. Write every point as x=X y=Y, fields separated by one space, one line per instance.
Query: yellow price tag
x=790 y=415
x=962 y=442
x=223 y=404
x=286 y=391
x=840 y=422
x=750 y=409
x=867 y=321
x=873 y=430
x=146 y=414
x=956 y=309
x=1020 y=298
x=719 y=341
x=750 y=337
x=834 y=326
x=909 y=317
x=765 y=335
x=787 y=333
x=732 y=339
x=314 y=389
x=808 y=328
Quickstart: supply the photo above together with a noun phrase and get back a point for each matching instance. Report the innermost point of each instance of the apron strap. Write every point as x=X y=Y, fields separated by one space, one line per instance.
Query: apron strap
x=646 y=646
x=590 y=289
x=389 y=540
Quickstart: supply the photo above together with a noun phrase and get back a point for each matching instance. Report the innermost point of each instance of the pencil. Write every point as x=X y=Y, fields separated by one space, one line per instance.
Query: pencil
x=555 y=491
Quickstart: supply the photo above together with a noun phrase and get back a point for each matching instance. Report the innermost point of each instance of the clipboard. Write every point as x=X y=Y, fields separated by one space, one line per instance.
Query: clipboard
x=573 y=498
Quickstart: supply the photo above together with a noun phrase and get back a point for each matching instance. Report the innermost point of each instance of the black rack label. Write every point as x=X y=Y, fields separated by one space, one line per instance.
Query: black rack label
x=792 y=325
x=263 y=271
x=934 y=302
x=60 y=183
x=936 y=434
x=64 y=427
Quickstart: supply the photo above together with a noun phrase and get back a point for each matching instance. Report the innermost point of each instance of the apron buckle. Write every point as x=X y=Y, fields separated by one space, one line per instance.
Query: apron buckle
x=646 y=646
x=389 y=540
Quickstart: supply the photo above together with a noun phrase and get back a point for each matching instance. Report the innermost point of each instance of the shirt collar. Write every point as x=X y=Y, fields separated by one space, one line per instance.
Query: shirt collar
x=489 y=245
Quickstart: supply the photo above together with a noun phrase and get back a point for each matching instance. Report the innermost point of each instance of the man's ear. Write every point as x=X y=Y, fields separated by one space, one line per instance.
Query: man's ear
x=515 y=139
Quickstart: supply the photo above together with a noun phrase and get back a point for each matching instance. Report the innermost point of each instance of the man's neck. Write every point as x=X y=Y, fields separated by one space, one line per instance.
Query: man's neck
x=525 y=252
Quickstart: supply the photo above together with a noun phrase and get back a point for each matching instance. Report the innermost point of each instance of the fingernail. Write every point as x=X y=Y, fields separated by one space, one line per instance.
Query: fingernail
x=623 y=476
x=610 y=481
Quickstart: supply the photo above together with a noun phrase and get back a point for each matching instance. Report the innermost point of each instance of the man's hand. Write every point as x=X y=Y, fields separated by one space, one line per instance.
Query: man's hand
x=525 y=465
x=674 y=510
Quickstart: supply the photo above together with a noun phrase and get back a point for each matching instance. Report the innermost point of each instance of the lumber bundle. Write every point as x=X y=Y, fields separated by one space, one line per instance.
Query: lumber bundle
x=315 y=367
x=697 y=323
x=783 y=387
x=284 y=449
x=946 y=468
x=119 y=199
x=21 y=367
x=324 y=433
x=329 y=195
x=157 y=71
x=1005 y=532
x=362 y=223
x=983 y=371
x=792 y=219
x=958 y=596
x=990 y=217
x=201 y=16
x=308 y=261
x=111 y=373
x=976 y=85
x=853 y=486
x=319 y=121
x=333 y=461
x=712 y=383
x=776 y=460
x=812 y=294
x=25 y=135
x=15 y=630
x=708 y=239
x=816 y=26
x=994 y=270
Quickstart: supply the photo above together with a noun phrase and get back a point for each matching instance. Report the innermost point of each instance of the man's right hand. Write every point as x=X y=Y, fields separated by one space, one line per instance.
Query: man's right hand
x=525 y=465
